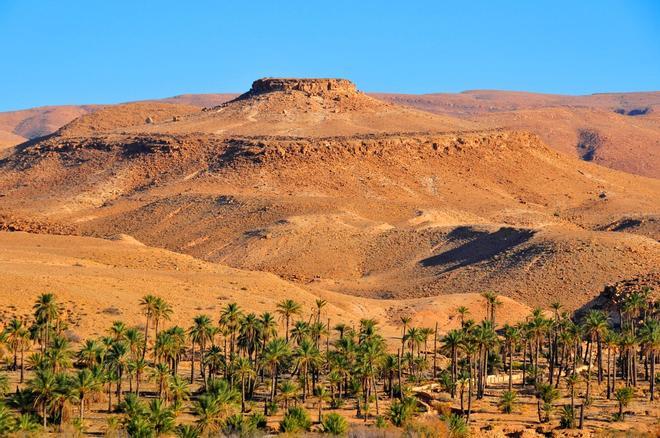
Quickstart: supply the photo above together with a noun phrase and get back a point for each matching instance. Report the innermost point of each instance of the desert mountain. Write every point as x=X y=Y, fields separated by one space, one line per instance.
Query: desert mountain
x=616 y=130
x=337 y=191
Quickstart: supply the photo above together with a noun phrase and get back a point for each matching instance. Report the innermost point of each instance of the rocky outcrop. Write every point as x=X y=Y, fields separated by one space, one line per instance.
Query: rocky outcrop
x=315 y=87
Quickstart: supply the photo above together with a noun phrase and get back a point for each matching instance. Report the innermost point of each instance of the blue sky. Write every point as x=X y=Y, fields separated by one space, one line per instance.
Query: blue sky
x=61 y=52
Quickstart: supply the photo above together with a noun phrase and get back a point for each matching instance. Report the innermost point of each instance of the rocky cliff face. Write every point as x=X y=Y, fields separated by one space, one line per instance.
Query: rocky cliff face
x=315 y=87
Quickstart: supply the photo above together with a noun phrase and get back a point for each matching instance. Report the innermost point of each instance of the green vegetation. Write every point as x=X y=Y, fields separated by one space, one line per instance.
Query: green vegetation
x=234 y=373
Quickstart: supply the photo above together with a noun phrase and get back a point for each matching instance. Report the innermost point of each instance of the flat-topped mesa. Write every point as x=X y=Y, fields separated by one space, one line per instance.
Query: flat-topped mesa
x=318 y=87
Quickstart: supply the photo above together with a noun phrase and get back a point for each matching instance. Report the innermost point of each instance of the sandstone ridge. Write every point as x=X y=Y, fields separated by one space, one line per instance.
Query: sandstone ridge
x=316 y=87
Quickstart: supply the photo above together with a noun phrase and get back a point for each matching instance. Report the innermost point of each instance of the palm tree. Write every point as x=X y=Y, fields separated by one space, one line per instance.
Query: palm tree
x=85 y=384
x=209 y=413
x=137 y=367
x=320 y=304
x=286 y=309
x=492 y=303
x=148 y=304
x=306 y=356
x=162 y=312
x=89 y=353
x=230 y=318
x=288 y=391
x=463 y=312
x=200 y=333
x=275 y=353
x=118 y=330
x=161 y=374
x=244 y=371
x=44 y=386
x=649 y=333
x=17 y=337
x=547 y=394
x=46 y=310
x=451 y=343
x=118 y=363
x=405 y=320
x=511 y=338
x=572 y=382
x=322 y=395
x=595 y=326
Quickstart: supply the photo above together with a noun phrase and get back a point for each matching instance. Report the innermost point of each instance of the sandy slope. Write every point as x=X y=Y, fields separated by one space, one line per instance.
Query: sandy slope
x=100 y=281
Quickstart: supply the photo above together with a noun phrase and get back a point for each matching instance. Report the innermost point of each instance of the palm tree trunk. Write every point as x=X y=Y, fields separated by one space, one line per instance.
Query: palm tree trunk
x=82 y=406
x=146 y=337
x=22 y=363
x=609 y=388
x=192 y=364
x=652 y=379
x=373 y=380
x=588 y=395
x=510 y=366
x=471 y=375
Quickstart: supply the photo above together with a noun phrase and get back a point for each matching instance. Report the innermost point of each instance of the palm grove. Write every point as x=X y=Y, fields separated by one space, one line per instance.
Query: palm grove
x=242 y=368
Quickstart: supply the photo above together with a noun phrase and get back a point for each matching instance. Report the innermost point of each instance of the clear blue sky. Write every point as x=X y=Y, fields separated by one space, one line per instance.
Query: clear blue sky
x=61 y=51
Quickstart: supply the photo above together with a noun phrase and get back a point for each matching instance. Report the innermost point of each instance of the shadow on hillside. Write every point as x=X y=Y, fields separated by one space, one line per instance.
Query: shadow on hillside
x=481 y=246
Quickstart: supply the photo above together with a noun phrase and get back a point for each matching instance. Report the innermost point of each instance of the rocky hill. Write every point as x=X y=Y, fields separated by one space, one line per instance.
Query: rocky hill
x=396 y=203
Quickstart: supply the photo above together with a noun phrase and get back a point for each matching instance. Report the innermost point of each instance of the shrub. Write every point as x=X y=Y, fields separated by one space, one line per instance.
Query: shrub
x=296 y=419
x=402 y=411
x=187 y=431
x=380 y=422
x=273 y=408
x=458 y=427
x=507 y=402
x=335 y=424
x=567 y=417
x=623 y=396
x=238 y=425
x=427 y=427
x=259 y=420
x=6 y=421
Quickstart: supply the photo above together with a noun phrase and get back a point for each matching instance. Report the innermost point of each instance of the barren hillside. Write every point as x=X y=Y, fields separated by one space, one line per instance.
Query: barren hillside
x=397 y=204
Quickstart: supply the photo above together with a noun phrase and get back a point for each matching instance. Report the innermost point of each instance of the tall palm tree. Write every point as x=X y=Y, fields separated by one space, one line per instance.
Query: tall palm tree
x=200 y=333
x=649 y=333
x=511 y=338
x=46 y=310
x=85 y=384
x=44 y=386
x=595 y=326
x=492 y=302
x=275 y=353
x=306 y=356
x=320 y=304
x=230 y=318
x=244 y=371
x=451 y=343
x=118 y=362
x=463 y=312
x=148 y=305
x=162 y=312
x=287 y=308
x=17 y=337
x=161 y=374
